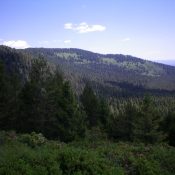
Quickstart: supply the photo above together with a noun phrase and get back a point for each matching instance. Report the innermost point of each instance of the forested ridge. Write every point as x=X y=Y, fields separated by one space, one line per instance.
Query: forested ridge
x=47 y=127
x=112 y=75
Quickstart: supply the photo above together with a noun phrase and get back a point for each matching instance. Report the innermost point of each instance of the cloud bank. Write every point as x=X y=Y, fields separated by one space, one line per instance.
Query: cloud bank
x=18 y=44
x=84 y=27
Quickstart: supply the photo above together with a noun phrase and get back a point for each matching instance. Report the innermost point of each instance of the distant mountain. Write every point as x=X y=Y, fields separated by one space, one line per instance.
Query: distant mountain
x=110 y=74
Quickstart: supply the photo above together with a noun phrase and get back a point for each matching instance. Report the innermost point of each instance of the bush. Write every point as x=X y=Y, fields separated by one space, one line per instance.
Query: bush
x=78 y=161
x=145 y=167
x=32 y=139
x=33 y=154
x=16 y=159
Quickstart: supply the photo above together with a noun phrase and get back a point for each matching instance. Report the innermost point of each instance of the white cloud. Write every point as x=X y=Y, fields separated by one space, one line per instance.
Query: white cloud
x=67 y=41
x=18 y=44
x=68 y=26
x=126 y=39
x=84 y=27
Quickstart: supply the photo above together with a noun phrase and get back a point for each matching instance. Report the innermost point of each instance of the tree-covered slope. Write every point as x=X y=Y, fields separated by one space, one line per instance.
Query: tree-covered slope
x=111 y=74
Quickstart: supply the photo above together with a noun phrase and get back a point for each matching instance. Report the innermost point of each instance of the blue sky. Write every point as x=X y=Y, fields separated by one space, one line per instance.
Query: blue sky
x=143 y=28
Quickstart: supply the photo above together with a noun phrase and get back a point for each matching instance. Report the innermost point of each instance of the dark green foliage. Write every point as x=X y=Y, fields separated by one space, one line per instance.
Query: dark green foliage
x=48 y=105
x=33 y=98
x=147 y=126
x=104 y=112
x=43 y=102
x=140 y=123
x=169 y=127
x=97 y=109
x=52 y=158
x=121 y=126
x=81 y=158
x=33 y=139
x=3 y=93
x=91 y=106
x=9 y=90
x=78 y=161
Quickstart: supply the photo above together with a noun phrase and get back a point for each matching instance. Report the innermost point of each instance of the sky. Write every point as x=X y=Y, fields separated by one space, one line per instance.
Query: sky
x=142 y=28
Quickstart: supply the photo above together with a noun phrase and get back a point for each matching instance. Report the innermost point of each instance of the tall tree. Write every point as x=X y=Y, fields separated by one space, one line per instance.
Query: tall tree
x=33 y=97
x=121 y=125
x=91 y=105
x=9 y=89
x=48 y=105
x=147 y=126
x=169 y=127
x=3 y=96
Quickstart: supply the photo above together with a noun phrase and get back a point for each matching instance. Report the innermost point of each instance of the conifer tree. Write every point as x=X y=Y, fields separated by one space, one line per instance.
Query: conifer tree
x=147 y=125
x=48 y=105
x=121 y=125
x=9 y=89
x=91 y=106
x=33 y=97
x=3 y=96
x=169 y=127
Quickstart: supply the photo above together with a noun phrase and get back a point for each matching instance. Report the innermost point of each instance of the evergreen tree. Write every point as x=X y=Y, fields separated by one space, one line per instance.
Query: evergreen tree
x=33 y=97
x=91 y=106
x=104 y=112
x=3 y=97
x=9 y=89
x=147 y=125
x=66 y=120
x=169 y=127
x=48 y=105
x=121 y=125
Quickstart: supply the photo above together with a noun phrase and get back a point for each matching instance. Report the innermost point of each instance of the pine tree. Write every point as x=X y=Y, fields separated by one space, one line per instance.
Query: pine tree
x=67 y=119
x=48 y=105
x=33 y=97
x=104 y=113
x=91 y=106
x=169 y=127
x=147 y=125
x=3 y=97
x=9 y=89
x=121 y=125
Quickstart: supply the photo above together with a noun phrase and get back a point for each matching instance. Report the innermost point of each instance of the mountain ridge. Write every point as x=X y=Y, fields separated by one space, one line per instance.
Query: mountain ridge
x=109 y=74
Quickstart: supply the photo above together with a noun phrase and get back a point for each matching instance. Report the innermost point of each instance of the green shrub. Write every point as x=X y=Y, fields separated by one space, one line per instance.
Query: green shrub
x=20 y=159
x=146 y=167
x=78 y=161
x=32 y=139
x=32 y=154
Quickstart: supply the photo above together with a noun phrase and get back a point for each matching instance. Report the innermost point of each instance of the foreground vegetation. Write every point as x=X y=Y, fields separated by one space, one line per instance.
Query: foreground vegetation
x=33 y=154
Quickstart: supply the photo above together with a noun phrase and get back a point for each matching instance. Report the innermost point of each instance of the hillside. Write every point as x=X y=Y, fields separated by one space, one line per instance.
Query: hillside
x=46 y=129
x=111 y=74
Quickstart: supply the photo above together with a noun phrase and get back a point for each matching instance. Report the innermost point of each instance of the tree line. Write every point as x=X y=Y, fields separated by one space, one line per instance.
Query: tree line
x=46 y=103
